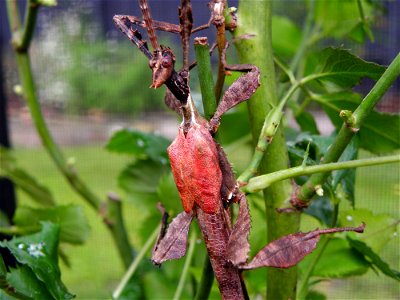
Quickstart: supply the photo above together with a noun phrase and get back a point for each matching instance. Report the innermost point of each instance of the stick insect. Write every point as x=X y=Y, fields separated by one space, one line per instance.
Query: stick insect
x=201 y=170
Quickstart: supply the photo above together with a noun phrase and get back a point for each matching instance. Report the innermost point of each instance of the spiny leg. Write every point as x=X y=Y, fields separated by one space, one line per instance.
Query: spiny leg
x=124 y=24
x=157 y=25
x=149 y=24
x=186 y=24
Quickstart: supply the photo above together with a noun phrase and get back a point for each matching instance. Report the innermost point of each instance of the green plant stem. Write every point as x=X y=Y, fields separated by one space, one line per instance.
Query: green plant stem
x=266 y=137
x=32 y=9
x=346 y=133
x=364 y=21
x=115 y=223
x=185 y=271
x=254 y=45
x=14 y=20
x=206 y=78
x=306 y=32
x=135 y=263
x=29 y=90
x=206 y=281
x=25 y=71
x=261 y=182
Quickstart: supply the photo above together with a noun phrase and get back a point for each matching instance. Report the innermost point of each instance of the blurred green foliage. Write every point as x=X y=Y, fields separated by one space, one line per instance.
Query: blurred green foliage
x=113 y=78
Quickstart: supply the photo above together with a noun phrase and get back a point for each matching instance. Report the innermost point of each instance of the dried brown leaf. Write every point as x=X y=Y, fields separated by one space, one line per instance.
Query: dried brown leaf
x=173 y=245
x=229 y=188
x=291 y=249
x=238 y=244
x=241 y=90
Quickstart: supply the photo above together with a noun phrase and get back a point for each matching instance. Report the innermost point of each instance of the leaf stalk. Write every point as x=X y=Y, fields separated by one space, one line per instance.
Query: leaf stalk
x=261 y=182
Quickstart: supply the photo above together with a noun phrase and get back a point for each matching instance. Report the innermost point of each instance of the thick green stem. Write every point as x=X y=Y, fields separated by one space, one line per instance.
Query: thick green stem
x=346 y=133
x=185 y=269
x=205 y=75
x=254 y=45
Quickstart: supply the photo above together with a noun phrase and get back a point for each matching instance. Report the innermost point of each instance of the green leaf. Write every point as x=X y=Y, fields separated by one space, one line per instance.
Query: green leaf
x=380 y=132
x=5 y=296
x=25 y=283
x=360 y=31
x=3 y=273
x=340 y=19
x=337 y=67
x=322 y=209
x=167 y=193
x=315 y=295
x=379 y=230
x=140 y=145
x=286 y=36
x=307 y=122
x=140 y=182
x=338 y=261
x=39 y=252
x=9 y=168
x=319 y=145
x=3 y=269
x=74 y=227
x=234 y=125
x=374 y=258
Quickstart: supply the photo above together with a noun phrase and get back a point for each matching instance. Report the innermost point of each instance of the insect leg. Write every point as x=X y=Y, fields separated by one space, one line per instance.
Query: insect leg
x=125 y=25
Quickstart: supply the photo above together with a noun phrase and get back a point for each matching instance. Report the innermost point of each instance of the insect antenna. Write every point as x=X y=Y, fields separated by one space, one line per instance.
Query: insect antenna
x=125 y=25
x=149 y=24
x=186 y=24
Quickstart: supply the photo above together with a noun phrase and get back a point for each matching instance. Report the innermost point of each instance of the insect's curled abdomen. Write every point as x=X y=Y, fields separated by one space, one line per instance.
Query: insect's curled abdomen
x=196 y=171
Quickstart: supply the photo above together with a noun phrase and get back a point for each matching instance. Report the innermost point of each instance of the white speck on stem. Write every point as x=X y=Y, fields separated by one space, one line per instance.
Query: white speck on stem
x=349 y=218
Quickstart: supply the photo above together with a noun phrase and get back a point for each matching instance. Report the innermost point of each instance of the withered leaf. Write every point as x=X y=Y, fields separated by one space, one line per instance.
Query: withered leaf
x=291 y=249
x=241 y=90
x=173 y=245
x=238 y=243
x=228 y=185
